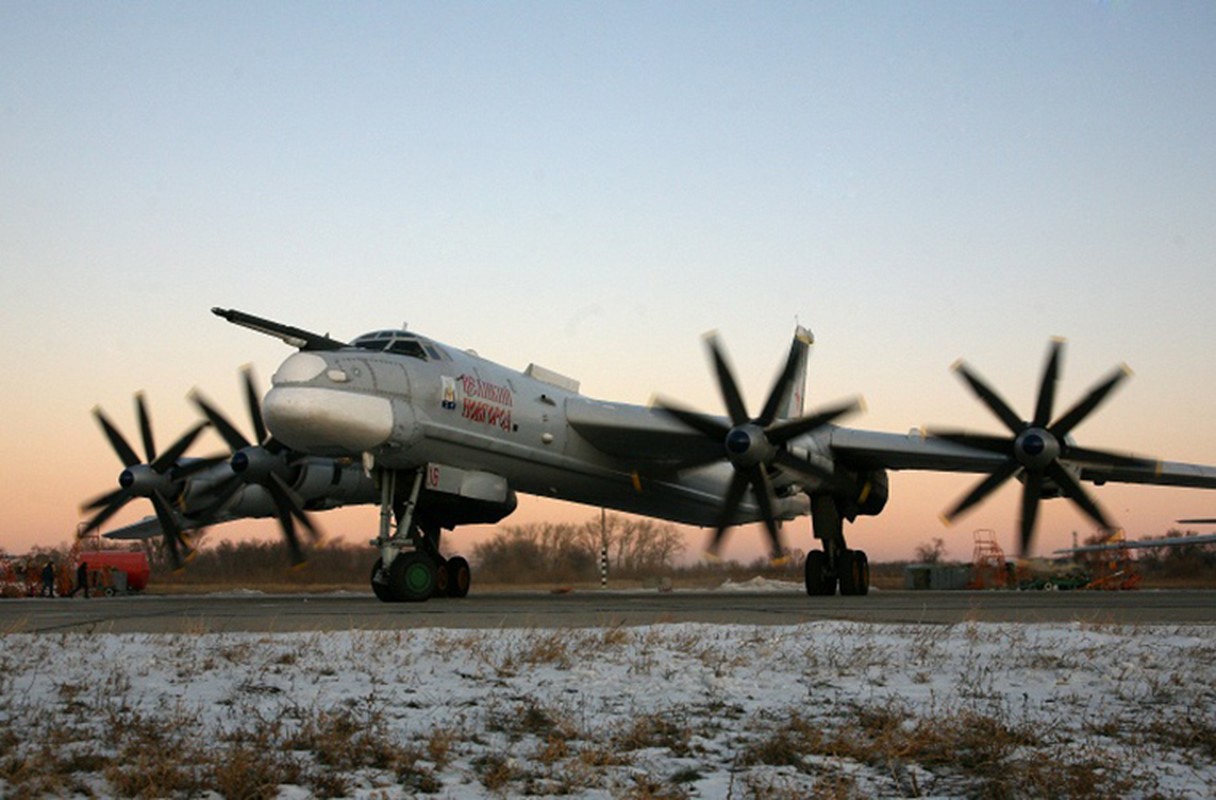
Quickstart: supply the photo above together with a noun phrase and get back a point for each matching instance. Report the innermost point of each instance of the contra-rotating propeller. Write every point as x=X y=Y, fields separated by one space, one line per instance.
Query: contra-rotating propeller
x=266 y=463
x=756 y=445
x=1038 y=447
x=160 y=478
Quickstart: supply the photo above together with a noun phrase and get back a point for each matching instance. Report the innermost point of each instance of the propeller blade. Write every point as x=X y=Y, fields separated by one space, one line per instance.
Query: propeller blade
x=297 y=509
x=145 y=427
x=1032 y=492
x=228 y=432
x=730 y=503
x=782 y=432
x=223 y=493
x=984 y=488
x=197 y=465
x=169 y=458
x=1091 y=401
x=170 y=528
x=253 y=400
x=803 y=467
x=1105 y=458
x=124 y=451
x=284 y=503
x=1040 y=470
x=115 y=505
x=762 y=487
x=991 y=399
x=1075 y=492
x=1001 y=445
x=726 y=383
x=702 y=423
x=812 y=472
x=1047 y=388
x=103 y=500
x=782 y=387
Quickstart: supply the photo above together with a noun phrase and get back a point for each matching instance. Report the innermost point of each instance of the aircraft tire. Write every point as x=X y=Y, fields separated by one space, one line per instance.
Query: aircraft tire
x=847 y=567
x=861 y=566
x=817 y=581
x=459 y=577
x=382 y=590
x=855 y=573
x=413 y=577
x=443 y=578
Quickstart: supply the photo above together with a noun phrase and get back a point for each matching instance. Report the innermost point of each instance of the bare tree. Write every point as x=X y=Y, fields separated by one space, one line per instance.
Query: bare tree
x=931 y=552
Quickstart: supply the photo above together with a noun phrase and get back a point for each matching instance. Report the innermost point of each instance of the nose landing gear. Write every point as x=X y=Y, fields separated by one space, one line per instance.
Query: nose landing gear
x=410 y=568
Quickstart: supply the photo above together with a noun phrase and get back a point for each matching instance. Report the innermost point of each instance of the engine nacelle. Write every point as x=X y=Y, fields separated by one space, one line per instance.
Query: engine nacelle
x=324 y=483
x=874 y=489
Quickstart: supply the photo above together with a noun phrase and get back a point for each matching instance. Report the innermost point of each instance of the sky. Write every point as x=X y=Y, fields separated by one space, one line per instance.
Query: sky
x=591 y=187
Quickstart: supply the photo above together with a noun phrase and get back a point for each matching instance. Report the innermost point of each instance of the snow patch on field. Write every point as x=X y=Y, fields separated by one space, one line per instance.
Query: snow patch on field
x=835 y=709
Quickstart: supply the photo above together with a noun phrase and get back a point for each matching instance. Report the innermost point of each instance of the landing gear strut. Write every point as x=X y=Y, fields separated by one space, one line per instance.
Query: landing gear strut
x=835 y=564
x=410 y=568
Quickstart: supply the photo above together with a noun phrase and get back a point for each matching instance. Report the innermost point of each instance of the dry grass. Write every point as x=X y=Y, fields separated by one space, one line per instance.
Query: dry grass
x=973 y=741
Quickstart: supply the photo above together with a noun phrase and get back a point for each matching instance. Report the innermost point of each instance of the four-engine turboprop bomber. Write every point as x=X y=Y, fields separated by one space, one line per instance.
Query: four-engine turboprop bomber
x=442 y=438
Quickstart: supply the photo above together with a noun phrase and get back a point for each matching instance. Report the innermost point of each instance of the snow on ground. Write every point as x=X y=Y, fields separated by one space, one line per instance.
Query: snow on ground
x=826 y=709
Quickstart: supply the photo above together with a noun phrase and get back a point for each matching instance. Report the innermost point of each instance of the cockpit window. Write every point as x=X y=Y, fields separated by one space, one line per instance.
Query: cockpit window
x=407 y=347
x=399 y=342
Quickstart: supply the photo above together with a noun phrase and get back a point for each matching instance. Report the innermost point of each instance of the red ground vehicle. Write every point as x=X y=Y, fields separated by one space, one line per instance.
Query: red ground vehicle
x=133 y=564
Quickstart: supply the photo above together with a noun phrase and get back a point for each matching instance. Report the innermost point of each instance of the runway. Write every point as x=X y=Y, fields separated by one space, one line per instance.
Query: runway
x=258 y=612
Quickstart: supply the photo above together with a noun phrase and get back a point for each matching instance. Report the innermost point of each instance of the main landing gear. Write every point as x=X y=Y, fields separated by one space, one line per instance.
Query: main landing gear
x=410 y=568
x=834 y=565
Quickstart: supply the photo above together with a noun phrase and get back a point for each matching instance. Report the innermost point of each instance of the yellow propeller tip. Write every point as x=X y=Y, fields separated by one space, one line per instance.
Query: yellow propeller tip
x=945 y=520
x=957 y=365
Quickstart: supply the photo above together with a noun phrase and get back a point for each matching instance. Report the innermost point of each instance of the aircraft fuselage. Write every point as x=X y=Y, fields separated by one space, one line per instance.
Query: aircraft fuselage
x=448 y=407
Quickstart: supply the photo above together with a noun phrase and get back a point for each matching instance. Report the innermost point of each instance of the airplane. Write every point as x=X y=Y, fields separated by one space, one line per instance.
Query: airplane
x=445 y=438
x=1139 y=544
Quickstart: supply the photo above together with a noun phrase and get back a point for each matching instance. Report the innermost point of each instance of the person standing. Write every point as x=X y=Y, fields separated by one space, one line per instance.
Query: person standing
x=48 y=580
x=82 y=579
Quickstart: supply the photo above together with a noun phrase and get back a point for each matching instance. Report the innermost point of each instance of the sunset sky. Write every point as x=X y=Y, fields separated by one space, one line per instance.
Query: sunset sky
x=591 y=187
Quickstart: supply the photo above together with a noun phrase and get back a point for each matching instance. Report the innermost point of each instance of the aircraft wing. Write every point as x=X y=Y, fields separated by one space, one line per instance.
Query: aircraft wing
x=146 y=528
x=1162 y=473
x=648 y=435
x=915 y=451
x=876 y=450
x=638 y=433
x=149 y=527
x=1140 y=544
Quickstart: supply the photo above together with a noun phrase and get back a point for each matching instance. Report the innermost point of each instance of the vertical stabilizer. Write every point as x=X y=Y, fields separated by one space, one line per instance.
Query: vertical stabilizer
x=794 y=405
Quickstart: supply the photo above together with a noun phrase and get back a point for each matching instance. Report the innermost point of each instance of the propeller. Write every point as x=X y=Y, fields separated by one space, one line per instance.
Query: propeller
x=264 y=462
x=755 y=446
x=160 y=478
x=1038 y=448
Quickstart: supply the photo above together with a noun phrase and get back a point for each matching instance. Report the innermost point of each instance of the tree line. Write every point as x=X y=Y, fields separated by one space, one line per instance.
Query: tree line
x=546 y=553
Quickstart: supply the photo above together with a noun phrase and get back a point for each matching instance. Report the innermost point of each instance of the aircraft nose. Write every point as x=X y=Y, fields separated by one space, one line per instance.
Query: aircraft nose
x=327 y=421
